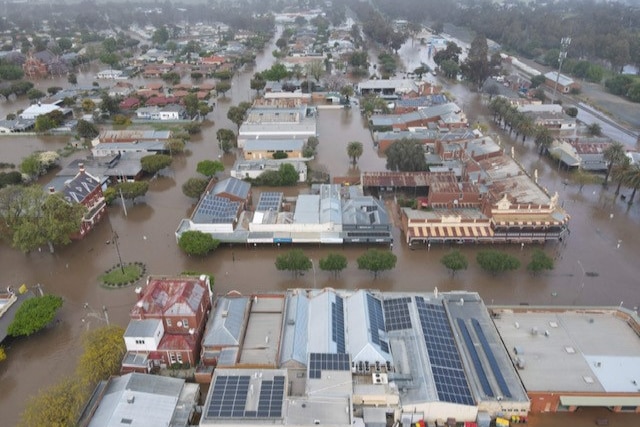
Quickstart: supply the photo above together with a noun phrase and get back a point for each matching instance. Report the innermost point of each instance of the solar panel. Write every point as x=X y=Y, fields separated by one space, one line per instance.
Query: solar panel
x=376 y=318
x=396 y=314
x=269 y=200
x=229 y=398
x=492 y=359
x=337 y=324
x=482 y=376
x=319 y=362
x=446 y=365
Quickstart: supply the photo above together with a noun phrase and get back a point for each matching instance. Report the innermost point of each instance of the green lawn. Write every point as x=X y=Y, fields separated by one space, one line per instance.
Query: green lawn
x=118 y=276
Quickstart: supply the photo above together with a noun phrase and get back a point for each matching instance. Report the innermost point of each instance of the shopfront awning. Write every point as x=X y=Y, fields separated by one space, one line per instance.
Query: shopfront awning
x=601 y=401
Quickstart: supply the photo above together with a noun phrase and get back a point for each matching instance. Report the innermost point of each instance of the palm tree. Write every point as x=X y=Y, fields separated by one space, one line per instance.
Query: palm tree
x=544 y=139
x=632 y=179
x=526 y=127
x=594 y=129
x=613 y=154
x=354 y=151
x=619 y=172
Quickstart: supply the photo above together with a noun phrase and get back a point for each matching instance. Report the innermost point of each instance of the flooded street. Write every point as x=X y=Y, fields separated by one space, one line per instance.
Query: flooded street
x=597 y=265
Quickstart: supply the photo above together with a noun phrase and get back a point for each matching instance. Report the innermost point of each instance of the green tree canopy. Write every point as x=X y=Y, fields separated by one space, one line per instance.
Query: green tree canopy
x=197 y=243
x=454 y=261
x=194 y=187
x=594 y=129
x=209 y=168
x=354 y=151
x=160 y=36
x=31 y=218
x=57 y=405
x=277 y=72
x=236 y=115
x=294 y=261
x=226 y=139
x=223 y=87
x=494 y=261
x=333 y=263
x=406 y=155
x=376 y=261
x=34 y=314
x=539 y=261
x=154 y=163
x=133 y=190
x=87 y=129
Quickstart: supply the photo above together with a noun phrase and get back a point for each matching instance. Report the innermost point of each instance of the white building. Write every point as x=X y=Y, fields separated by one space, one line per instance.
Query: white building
x=111 y=75
x=33 y=111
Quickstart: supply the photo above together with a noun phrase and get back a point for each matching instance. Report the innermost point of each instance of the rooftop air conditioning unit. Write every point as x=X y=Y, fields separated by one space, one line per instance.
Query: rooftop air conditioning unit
x=225 y=313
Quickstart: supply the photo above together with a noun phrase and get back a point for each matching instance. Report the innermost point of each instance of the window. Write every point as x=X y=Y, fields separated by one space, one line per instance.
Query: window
x=172 y=358
x=185 y=323
x=179 y=357
x=168 y=322
x=139 y=341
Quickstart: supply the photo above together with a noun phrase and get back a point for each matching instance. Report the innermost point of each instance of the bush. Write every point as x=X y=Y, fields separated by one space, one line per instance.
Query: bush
x=197 y=243
x=34 y=314
x=278 y=155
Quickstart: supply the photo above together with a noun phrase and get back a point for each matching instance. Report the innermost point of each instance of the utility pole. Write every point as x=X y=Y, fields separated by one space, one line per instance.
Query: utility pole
x=124 y=205
x=564 y=45
x=115 y=242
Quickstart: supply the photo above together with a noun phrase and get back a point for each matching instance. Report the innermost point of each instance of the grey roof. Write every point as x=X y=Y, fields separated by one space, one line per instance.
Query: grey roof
x=307 y=209
x=330 y=210
x=421 y=101
x=562 y=79
x=215 y=210
x=80 y=187
x=233 y=186
x=139 y=146
x=139 y=400
x=295 y=333
x=141 y=328
x=364 y=210
x=225 y=325
x=274 y=144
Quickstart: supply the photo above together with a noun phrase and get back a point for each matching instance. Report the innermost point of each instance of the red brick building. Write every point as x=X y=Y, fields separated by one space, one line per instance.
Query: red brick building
x=167 y=323
x=86 y=190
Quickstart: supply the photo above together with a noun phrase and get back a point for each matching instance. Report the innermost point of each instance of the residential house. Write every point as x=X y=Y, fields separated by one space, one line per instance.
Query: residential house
x=583 y=153
x=141 y=400
x=391 y=89
x=111 y=75
x=33 y=111
x=44 y=63
x=121 y=89
x=551 y=116
x=254 y=168
x=445 y=116
x=167 y=323
x=169 y=112
x=86 y=190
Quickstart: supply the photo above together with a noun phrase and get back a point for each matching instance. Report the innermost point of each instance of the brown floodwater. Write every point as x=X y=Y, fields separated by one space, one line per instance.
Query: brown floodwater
x=597 y=265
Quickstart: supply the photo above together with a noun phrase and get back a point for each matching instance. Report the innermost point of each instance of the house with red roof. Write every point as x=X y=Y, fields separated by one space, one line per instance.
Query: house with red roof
x=167 y=323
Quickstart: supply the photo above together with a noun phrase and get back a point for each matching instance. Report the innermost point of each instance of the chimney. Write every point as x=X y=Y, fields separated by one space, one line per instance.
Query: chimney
x=81 y=166
x=52 y=190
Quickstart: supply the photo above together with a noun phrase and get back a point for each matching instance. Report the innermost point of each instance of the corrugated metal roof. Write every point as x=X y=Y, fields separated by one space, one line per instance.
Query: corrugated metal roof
x=225 y=326
x=295 y=335
x=142 y=328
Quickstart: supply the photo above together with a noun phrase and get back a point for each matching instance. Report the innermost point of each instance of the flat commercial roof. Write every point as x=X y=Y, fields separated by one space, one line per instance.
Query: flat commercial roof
x=581 y=350
x=262 y=338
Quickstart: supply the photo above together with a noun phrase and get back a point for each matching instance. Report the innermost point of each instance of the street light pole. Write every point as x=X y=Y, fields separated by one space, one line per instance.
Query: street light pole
x=115 y=241
x=564 y=45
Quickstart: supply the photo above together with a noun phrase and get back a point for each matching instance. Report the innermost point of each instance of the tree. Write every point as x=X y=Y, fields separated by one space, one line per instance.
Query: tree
x=171 y=78
x=72 y=79
x=191 y=104
x=88 y=106
x=354 y=151
x=614 y=154
x=582 y=178
x=277 y=72
x=544 y=139
x=226 y=139
x=376 y=261
x=288 y=174
x=209 y=168
x=258 y=82
x=406 y=155
x=109 y=105
x=175 y=146
x=87 y=129
x=494 y=261
x=618 y=173
x=57 y=405
x=333 y=263
x=294 y=261
x=539 y=262
x=450 y=53
x=223 y=87
x=454 y=261
x=194 y=187
x=102 y=355
x=133 y=190
x=154 y=163
x=31 y=218
x=236 y=115
x=3 y=354
x=10 y=178
x=476 y=66
x=34 y=314
x=537 y=80
x=594 y=129
x=34 y=93
x=32 y=166
x=347 y=91
x=160 y=36
x=632 y=180
x=315 y=69
x=197 y=243
x=450 y=69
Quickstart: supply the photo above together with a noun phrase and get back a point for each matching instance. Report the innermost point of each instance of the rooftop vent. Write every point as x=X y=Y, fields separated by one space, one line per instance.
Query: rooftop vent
x=130 y=398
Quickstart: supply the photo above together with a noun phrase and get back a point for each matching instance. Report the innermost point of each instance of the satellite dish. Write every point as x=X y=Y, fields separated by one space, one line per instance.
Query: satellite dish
x=179 y=324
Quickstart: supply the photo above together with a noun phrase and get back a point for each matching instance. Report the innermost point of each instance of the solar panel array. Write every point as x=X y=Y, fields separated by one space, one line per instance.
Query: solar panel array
x=229 y=398
x=337 y=324
x=497 y=373
x=376 y=321
x=480 y=373
x=396 y=314
x=448 y=373
x=269 y=201
x=214 y=209
x=319 y=362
